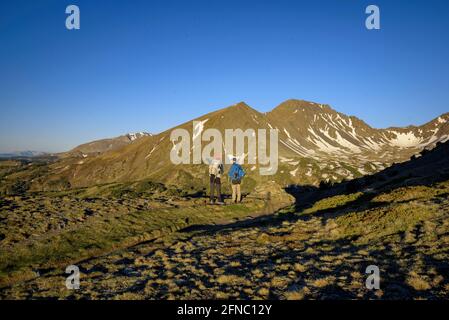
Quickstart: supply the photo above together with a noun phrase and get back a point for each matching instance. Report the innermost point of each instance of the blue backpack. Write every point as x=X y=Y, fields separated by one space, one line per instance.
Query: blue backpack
x=236 y=174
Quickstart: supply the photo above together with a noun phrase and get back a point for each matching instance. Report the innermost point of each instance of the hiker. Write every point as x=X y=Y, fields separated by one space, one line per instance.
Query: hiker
x=236 y=174
x=215 y=171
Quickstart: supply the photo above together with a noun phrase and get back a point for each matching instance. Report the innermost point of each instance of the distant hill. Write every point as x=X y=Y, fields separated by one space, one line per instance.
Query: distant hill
x=23 y=154
x=103 y=145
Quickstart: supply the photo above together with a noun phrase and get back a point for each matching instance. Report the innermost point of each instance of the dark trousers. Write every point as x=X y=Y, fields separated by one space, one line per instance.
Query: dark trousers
x=215 y=185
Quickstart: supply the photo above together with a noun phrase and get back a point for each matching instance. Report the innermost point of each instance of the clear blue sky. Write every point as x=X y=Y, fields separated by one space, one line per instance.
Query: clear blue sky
x=150 y=65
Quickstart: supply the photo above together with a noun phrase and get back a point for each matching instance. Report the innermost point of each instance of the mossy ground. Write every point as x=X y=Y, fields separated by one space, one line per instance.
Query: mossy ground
x=318 y=253
x=52 y=229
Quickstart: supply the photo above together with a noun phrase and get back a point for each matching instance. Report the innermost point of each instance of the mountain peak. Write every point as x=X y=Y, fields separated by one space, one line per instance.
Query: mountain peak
x=292 y=104
x=238 y=107
x=241 y=104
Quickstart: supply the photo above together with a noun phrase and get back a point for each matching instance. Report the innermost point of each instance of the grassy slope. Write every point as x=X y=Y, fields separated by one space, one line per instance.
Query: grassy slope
x=321 y=252
x=107 y=226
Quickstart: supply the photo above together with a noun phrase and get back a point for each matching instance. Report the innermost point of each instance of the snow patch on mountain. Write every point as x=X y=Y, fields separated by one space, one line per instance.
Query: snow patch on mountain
x=309 y=172
x=362 y=171
x=297 y=148
x=405 y=140
x=347 y=144
x=254 y=119
x=283 y=159
x=137 y=135
x=287 y=133
x=322 y=144
x=372 y=144
x=151 y=152
x=198 y=129
x=441 y=120
x=293 y=172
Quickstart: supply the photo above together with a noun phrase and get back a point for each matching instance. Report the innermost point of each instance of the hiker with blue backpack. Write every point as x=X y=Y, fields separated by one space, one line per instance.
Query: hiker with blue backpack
x=236 y=174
